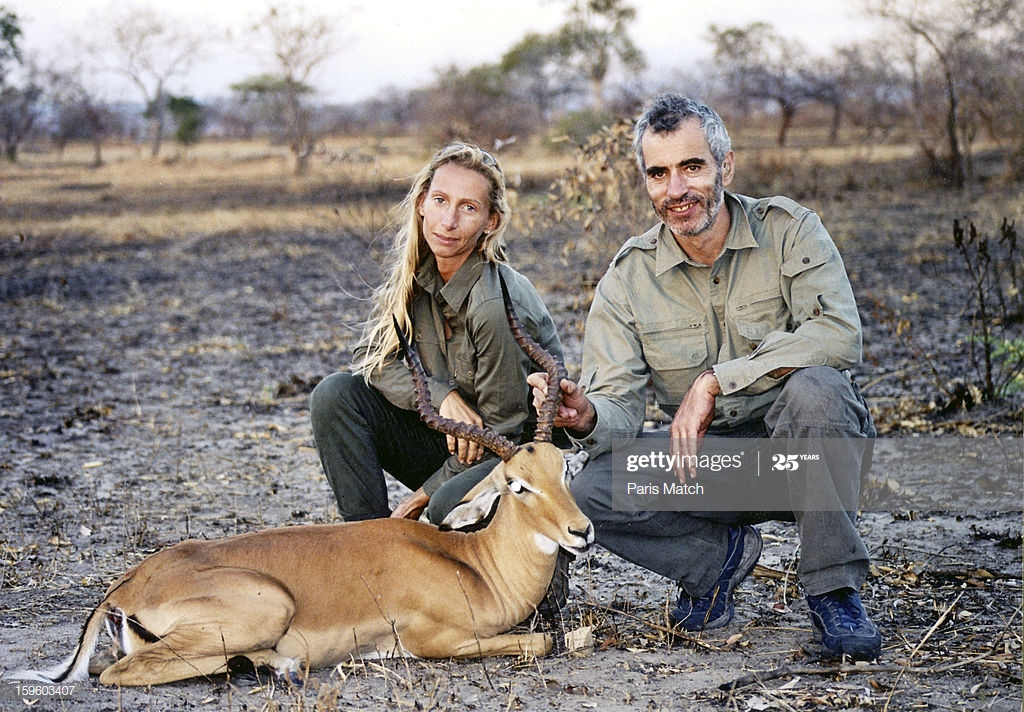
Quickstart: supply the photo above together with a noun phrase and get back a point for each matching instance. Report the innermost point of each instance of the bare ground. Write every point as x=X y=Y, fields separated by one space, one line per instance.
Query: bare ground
x=152 y=390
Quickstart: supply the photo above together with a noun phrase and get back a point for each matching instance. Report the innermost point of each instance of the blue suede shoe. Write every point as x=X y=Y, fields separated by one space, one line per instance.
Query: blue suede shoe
x=715 y=608
x=843 y=626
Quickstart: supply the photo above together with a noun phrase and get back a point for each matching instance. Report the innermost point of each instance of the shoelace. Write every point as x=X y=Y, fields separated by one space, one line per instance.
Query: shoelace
x=846 y=610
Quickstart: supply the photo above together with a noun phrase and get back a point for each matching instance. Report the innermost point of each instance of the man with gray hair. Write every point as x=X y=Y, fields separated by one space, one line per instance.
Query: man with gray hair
x=739 y=314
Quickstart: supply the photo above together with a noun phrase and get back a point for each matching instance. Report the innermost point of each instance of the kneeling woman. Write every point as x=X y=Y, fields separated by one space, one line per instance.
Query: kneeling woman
x=443 y=288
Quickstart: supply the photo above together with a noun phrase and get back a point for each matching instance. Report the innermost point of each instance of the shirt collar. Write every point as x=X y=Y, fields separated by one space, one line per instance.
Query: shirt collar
x=671 y=255
x=456 y=291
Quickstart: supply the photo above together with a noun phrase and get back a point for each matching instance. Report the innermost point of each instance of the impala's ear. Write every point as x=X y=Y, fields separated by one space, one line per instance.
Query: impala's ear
x=473 y=513
x=479 y=504
x=574 y=462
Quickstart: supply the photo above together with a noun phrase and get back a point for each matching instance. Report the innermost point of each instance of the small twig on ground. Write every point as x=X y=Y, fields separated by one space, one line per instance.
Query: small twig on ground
x=654 y=626
x=940 y=621
x=935 y=626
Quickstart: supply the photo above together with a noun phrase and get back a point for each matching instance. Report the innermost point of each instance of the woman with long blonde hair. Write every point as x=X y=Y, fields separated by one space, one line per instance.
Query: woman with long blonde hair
x=444 y=290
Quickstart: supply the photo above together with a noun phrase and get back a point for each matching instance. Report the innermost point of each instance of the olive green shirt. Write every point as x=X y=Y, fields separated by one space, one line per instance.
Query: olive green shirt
x=465 y=343
x=777 y=297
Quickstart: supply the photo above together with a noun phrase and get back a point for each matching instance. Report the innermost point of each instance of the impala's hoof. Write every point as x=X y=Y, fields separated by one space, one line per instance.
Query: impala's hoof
x=290 y=674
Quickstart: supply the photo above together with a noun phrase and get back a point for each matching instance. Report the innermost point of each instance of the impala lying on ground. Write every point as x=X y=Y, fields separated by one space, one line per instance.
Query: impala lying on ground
x=314 y=596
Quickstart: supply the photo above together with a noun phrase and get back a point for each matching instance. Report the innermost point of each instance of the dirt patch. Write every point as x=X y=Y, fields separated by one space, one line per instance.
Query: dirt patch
x=154 y=390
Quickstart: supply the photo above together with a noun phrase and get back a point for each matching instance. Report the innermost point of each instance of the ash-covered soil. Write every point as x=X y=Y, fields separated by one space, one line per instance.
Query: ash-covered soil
x=153 y=390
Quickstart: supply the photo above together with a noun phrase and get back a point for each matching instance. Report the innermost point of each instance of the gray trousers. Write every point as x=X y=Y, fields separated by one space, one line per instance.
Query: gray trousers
x=359 y=434
x=689 y=547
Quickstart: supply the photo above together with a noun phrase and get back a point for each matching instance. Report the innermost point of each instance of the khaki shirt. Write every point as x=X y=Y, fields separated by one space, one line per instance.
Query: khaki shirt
x=465 y=343
x=777 y=297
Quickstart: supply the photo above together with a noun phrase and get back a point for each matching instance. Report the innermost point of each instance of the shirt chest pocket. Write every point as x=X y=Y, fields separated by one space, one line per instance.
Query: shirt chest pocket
x=758 y=316
x=673 y=351
x=431 y=353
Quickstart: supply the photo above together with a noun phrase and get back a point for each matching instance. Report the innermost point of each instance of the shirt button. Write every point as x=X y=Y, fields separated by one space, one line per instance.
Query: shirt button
x=816 y=311
x=732 y=384
x=732 y=413
x=806 y=260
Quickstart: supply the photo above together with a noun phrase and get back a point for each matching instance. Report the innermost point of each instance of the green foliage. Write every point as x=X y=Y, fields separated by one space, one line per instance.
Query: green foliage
x=10 y=38
x=188 y=114
x=1009 y=353
x=269 y=85
x=597 y=33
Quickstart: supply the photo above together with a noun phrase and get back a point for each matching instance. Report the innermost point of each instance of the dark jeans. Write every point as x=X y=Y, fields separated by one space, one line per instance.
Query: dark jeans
x=359 y=434
x=689 y=547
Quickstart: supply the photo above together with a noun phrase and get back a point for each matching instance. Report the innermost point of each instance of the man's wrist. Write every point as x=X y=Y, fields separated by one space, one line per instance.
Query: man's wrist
x=715 y=386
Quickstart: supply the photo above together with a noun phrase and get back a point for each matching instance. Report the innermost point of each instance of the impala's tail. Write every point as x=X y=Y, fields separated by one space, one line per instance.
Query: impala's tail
x=76 y=667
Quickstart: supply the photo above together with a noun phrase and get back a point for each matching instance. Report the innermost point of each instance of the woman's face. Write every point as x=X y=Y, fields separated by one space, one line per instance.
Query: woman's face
x=456 y=211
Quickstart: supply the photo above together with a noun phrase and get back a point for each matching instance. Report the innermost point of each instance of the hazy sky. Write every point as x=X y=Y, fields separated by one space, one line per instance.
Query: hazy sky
x=401 y=42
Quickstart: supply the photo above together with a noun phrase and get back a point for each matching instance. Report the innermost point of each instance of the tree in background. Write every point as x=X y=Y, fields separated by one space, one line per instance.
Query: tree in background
x=18 y=105
x=874 y=88
x=535 y=68
x=264 y=99
x=757 y=64
x=189 y=117
x=19 y=109
x=595 y=37
x=10 y=54
x=10 y=41
x=151 y=50
x=536 y=82
x=80 y=112
x=298 y=44
x=961 y=34
x=469 y=105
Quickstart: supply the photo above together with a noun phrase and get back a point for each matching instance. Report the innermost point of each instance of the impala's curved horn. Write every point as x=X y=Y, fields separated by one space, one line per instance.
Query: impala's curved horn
x=554 y=368
x=496 y=443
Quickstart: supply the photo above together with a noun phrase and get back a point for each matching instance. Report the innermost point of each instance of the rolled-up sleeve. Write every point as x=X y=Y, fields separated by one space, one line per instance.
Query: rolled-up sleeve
x=615 y=372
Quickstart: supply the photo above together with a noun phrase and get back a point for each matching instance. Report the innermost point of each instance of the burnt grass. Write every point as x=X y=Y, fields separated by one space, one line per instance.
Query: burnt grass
x=155 y=389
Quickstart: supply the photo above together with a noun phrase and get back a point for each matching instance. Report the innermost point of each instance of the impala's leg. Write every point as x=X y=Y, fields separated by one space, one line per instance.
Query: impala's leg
x=155 y=667
x=510 y=644
x=224 y=613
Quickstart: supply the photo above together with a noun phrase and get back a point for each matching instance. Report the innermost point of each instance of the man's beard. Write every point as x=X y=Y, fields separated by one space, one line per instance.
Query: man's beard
x=712 y=206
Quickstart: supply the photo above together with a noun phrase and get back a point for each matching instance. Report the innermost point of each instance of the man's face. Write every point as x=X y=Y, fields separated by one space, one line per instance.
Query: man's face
x=685 y=183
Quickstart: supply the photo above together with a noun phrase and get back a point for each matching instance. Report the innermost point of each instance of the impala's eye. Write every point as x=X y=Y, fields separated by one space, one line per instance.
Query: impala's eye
x=516 y=486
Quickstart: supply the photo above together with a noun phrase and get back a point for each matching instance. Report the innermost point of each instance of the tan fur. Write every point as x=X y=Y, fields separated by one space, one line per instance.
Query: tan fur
x=320 y=595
